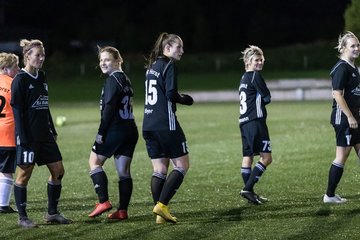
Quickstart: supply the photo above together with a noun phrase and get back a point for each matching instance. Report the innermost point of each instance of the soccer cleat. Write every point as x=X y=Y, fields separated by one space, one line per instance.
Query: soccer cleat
x=161 y=220
x=261 y=198
x=7 y=209
x=26 y=223
x=57 y=218
x=100 y=208
x=335 y=199
x=163 y=211
x=250 y=196
x=119 y=214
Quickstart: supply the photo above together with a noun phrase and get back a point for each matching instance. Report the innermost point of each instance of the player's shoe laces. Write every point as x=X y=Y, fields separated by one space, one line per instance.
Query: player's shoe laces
x=57 y=218
x=161 y=220
x=163 y=211
x=335 y=199
x=119 y=214
x=100 y=208
x=250 y=196
x=7 y=209
x=26 y=223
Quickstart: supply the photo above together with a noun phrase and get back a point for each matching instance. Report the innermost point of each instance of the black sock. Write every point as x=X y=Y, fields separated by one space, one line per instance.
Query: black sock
x=125 y=191
x=245 y=173
x=20 y=194
x=171 y=185
x=256 y=173
x=157 y=184
x=53 y=192
x=100 y=182
x=335 y=174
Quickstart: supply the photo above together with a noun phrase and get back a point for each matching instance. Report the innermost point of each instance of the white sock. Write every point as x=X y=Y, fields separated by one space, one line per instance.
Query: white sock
x=5 y=190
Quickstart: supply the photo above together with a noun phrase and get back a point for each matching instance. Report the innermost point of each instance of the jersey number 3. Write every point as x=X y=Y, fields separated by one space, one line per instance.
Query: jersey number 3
x=150 y=92
x=243 y=106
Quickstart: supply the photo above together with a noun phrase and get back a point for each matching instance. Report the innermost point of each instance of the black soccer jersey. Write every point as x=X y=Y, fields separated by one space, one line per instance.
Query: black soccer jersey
x=29 y=99
x=345 y=78
x=254 y=95
x=160 y=84
x=116 y=102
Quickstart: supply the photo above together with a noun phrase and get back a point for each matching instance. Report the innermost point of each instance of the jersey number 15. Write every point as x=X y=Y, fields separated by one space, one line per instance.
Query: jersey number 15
x=150 y=92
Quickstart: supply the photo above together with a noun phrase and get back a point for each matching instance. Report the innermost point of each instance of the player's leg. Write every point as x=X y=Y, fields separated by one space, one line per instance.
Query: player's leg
x=335 y=174
x=125 y=186
x=54 y=186
x=6 y=183
x=246 y=168
x=100 y=181
x=175 y=178
x=7 y=168
x=20 y=193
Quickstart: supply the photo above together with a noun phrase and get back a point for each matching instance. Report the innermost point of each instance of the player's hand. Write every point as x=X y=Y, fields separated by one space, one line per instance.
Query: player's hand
x=98 y=139
x=352 y=122
x=187 y=99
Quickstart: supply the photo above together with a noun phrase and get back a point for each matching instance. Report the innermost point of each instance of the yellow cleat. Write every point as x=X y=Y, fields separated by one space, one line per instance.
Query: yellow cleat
x=163 y=211
x=161 y=220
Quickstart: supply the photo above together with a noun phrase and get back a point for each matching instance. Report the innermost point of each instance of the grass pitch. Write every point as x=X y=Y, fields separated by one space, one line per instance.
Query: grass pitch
x=207 y=205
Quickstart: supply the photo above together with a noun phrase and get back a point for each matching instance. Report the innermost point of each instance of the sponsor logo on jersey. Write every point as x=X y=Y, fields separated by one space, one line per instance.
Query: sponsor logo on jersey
x=353 y=74
x=241 y=120
x=153 y=72
x=148 y=111
x=46 y=86
x=4 y=89
x=41 y=103
x=243 y=85
x=31 y=86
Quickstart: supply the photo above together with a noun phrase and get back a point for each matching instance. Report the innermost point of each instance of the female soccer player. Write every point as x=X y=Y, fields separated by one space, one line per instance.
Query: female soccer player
x=117 y=135
x=165 y=140
x=35 y=134
x=9 y=67
x=345 y=115
x=254 y=95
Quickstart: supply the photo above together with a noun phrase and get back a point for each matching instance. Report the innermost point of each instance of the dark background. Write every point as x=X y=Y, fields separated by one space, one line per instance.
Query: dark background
x=205 y=25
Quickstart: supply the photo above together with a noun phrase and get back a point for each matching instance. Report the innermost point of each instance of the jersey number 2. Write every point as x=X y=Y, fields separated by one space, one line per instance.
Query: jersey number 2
x=2 y=105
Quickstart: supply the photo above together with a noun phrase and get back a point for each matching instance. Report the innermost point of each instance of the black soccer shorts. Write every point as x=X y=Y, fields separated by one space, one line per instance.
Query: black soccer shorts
x=165 y=144
x=7 y=160
x=120 y=141
x=255 y=138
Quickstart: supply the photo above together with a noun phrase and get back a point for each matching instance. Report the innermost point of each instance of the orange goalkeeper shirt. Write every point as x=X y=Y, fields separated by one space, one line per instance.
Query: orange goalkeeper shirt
x=7 y=123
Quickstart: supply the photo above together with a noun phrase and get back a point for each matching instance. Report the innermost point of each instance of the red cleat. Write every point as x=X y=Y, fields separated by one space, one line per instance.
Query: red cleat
x=100 y=208
x=120 y=215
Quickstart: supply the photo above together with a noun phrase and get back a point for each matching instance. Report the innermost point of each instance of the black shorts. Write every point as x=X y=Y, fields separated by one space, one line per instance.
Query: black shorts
x=165 y=144
x=346 y=136
x=7 y=160
x=255 y=138
x=120 y=141
x=44 y=153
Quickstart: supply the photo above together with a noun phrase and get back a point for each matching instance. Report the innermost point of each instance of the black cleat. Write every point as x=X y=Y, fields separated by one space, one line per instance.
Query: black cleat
x=250 y=196
x=7 y=209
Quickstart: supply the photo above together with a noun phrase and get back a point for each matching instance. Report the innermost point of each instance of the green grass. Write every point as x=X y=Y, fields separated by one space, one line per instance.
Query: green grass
x=207 y=205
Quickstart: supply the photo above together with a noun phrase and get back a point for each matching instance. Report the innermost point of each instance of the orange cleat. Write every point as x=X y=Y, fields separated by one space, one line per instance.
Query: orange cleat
x=119 y=214
x=100 y=208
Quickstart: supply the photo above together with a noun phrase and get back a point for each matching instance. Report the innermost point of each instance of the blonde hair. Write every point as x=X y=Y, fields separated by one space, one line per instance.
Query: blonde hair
x=250 y=52
x=159 y=46
x=28 y=45
x=342 y=40
x=113 y=51
x=7 y=60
